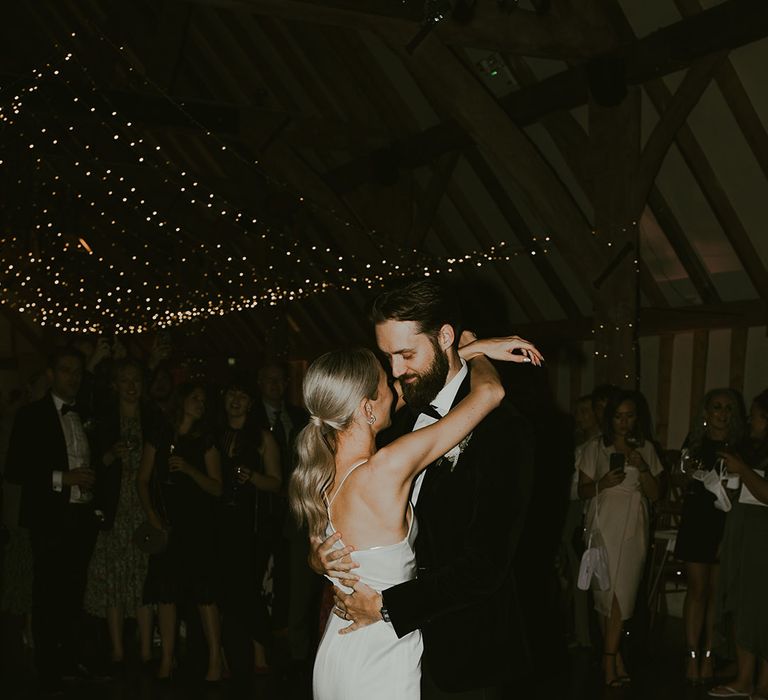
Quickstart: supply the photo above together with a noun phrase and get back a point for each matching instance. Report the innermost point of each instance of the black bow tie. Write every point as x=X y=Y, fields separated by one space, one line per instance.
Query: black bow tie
x=67 y=407
x=431 y=411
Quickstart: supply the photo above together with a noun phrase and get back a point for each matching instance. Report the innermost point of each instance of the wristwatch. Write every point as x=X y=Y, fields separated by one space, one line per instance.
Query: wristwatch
x=384 y=613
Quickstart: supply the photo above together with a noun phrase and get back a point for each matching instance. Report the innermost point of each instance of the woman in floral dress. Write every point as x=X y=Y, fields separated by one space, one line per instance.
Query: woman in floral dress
x=118 y=568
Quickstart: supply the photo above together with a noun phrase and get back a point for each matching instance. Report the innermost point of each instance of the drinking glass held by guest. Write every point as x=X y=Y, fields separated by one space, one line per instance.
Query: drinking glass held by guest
x=118 y=568
x=250 y=468
x=186 y=467
x=618 y=472
x=742 y=591
x=719 y=425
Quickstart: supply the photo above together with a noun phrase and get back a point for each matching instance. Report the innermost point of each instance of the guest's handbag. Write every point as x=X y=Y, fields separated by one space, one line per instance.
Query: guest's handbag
x=149 y=539
x=713 y=482
x=593 y=570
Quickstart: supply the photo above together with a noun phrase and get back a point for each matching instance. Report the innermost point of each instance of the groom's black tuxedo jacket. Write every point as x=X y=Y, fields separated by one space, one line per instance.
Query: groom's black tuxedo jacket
x=470 y=518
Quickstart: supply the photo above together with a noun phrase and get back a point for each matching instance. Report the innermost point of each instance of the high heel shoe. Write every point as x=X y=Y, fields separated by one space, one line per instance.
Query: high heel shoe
x=707 y=659
x=693 y=655
x=617 y=682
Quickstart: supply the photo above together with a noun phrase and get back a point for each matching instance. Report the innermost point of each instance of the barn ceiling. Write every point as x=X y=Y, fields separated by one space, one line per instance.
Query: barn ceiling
x=261 y=166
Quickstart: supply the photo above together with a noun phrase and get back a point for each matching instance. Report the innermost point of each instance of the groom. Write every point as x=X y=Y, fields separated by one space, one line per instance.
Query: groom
x=470 y=507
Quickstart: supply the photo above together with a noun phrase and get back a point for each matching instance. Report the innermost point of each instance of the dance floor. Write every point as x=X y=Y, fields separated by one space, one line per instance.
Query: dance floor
x=656 y=670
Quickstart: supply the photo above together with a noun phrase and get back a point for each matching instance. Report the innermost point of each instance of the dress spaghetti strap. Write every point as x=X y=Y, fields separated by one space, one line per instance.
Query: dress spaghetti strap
x=325 y=493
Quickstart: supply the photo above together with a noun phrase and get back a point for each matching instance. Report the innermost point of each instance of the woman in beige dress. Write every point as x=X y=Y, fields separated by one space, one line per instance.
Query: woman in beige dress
x=618 y=471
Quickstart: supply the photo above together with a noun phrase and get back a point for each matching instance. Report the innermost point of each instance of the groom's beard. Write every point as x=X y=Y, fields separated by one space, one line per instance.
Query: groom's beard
x=422 y=391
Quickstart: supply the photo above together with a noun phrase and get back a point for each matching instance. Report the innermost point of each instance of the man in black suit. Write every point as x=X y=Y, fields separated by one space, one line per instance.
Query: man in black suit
x=49 y=456
x=470 y=507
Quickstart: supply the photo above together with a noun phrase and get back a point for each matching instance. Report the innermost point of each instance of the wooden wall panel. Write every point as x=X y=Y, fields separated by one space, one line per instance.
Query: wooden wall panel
x=719 y=359
x=738 y=358
x=756 y=365
x=649 y=371
x=588 y=370
x=664 y=387
x=562 y=387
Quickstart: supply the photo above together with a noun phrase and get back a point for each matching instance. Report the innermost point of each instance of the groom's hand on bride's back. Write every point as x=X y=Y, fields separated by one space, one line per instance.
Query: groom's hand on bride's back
x=325 y=558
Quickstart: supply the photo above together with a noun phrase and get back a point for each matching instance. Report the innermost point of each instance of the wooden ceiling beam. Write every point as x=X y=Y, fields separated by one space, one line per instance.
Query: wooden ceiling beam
x=432 y=196
x=675 y=115
x=442 y=77
x=563 y=34
x=573 y=143
x=736 y=96
x=682 y=247
x=520 y=230
x=725 y=26
x=713 y=191
x=513 y=284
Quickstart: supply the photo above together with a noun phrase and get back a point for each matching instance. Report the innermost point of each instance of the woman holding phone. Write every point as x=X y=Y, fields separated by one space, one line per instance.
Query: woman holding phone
x=618 y=471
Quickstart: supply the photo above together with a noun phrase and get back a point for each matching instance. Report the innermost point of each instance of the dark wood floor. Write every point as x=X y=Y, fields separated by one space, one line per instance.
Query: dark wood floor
x=656 y=669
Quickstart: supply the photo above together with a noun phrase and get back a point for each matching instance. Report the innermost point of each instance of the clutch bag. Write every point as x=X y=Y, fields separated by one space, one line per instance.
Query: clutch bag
x=149 y=539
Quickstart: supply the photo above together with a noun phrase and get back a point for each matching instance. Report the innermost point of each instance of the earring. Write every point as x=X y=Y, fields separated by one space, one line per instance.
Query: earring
x=371 y=419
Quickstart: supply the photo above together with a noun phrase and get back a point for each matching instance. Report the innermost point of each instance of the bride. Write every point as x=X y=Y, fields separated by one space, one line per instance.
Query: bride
x=343 y=483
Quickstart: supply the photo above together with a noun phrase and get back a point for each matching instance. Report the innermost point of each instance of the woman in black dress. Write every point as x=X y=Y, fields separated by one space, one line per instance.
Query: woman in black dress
x=720 y=424
x=743 y=586
x=179 y=481
x=250 y=471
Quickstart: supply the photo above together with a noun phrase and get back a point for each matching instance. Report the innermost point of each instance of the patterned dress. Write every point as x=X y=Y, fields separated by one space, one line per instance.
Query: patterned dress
x=118 y=568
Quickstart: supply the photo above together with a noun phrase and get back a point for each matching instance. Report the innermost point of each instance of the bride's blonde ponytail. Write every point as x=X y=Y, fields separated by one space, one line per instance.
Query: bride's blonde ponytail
x=333 y=388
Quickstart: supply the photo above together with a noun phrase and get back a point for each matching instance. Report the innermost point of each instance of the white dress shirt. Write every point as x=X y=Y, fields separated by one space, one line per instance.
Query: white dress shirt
x=78 y=452
x=442 y=404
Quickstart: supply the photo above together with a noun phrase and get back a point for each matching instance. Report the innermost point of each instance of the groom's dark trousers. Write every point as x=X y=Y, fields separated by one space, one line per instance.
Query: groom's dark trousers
x=464 y=597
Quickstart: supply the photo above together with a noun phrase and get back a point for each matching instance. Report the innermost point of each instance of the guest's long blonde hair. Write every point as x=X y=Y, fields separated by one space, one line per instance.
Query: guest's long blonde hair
x=333 y=388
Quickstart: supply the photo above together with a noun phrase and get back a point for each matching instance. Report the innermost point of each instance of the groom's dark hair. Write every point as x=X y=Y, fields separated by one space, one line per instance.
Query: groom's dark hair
x=427 y=302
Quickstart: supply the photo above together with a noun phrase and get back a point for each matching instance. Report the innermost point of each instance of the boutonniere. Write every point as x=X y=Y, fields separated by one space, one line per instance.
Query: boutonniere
x=88 y=426
x=453 y=455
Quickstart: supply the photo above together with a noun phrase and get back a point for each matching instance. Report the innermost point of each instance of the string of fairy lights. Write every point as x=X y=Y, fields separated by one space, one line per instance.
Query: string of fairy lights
x=110 y=231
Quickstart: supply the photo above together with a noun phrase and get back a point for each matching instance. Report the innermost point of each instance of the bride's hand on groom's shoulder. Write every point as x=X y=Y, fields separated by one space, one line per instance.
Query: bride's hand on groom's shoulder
x=361 y=607
x=511 y=348
x=327 y=559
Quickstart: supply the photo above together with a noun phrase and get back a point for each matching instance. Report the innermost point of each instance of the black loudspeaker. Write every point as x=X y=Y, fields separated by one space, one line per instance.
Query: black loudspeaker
x=607 y=80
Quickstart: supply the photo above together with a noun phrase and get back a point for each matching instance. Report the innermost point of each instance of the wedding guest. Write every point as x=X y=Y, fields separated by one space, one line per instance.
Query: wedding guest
x=585 y=419
x=182 y=467
x=601 y=395
x=49 y=455
x=719 y=425
x=743 y=580
x=586 y=427
x=618 y=472
x=118 y=568
x=16 y=569
x=296 y=588
x=250 y=470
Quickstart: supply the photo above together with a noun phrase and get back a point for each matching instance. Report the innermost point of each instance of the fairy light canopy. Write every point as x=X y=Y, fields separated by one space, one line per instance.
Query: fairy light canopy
x=171 y=162
x=119 y=237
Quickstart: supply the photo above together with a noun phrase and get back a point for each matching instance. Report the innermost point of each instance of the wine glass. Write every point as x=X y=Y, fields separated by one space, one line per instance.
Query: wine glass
x=686 y=464
x=169 y=478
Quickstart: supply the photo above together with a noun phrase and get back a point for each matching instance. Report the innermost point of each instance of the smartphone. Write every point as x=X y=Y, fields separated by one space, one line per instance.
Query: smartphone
x=617 y=461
